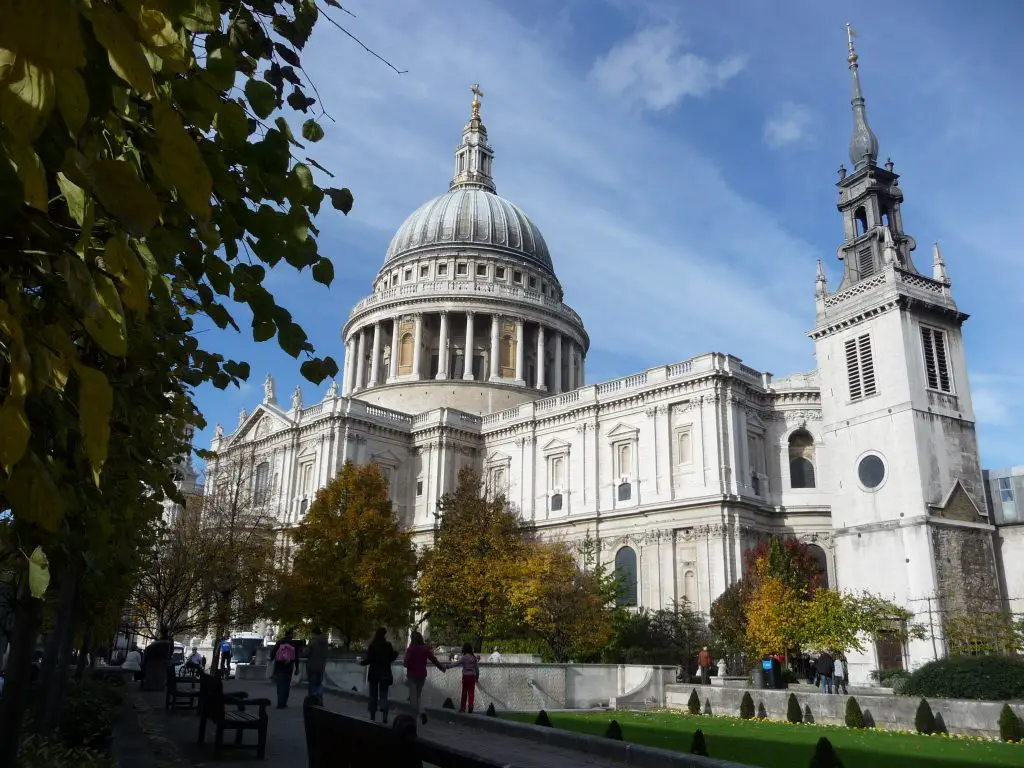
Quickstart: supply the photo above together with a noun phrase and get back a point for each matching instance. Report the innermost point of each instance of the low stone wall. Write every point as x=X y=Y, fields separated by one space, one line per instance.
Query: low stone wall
x=526 y=687
x=973 y=718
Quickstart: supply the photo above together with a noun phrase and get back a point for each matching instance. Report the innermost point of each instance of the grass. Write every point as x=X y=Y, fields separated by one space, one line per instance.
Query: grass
x=780 y=745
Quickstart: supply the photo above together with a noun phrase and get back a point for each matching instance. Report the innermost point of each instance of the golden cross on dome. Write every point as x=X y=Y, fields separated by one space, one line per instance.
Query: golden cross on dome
x=477 y=93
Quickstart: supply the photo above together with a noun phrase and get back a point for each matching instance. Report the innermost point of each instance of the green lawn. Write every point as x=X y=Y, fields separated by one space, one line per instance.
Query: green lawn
x=780 y=745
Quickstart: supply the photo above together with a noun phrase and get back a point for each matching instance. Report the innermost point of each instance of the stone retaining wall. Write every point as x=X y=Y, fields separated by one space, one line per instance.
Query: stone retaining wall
x=974 y=718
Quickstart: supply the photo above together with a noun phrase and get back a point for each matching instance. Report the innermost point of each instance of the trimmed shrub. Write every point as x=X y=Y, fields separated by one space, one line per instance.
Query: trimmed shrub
x=90 y=708
x=613 y=731
x=1010 y=728
x=699 y=745
x=991 y=678
x=693 y=703
x=543 y=719
x=793 y=713
x=491 y=711
x=707 y=706
x=747 y=707
x=37 y=751
x=825 y=756
x=854 y=717
x=448 y=703
x=924 y=720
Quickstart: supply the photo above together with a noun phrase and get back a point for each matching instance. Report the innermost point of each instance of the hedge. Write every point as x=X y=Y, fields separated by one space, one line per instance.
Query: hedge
x=990 y=678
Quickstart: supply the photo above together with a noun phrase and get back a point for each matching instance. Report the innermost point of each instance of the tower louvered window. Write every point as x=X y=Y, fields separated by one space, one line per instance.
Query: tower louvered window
x=936 y=361
x=866 y=262
x=860 y=367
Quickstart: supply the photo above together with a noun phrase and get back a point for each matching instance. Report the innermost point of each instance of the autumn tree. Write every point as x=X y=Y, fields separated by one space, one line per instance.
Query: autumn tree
x=469 y=574
x=783 y=558
x=354 y=564
x=672 y=635
x=775 y=622
x=728 y=623
x=563 y=603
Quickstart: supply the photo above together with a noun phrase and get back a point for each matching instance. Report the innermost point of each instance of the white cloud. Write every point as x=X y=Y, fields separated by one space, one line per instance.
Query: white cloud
x=790 y=124
x=651 y=67
x=996 y=398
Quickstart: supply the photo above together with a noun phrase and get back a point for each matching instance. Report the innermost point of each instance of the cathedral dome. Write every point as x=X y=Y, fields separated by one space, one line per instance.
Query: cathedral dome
x=475 y=217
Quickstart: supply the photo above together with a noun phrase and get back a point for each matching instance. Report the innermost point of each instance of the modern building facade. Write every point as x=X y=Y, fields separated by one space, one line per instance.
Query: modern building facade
x=466 y=354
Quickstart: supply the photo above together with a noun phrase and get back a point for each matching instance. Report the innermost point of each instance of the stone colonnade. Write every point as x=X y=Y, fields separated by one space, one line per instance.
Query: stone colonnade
x=432 y=345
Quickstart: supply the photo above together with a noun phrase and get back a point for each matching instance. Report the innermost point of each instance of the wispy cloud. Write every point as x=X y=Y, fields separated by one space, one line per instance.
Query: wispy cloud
x=790 y=124
x=652 y=67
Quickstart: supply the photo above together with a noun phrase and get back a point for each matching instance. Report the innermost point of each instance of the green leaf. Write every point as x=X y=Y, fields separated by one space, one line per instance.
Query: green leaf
x=26 y=96
x=122 y=193
x=95 y=403
x=261 y=96
x=323 y=271
x=341 y=199
x=14 y=431
x=200 y=15
x=232 y=123
x=104 y=320
x=124 y=52
x=287 y=54
x=33 y=495
x=317 y=369
x=182 y=162
x=125 y=265
x=31 y=174
x=38 y=573
x=72 y=98
x=74 y=196
x=221 y=68
x=311 y=131
x=263 y=330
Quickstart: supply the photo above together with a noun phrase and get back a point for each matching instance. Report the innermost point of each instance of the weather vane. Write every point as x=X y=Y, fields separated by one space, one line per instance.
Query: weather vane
x=850 y=34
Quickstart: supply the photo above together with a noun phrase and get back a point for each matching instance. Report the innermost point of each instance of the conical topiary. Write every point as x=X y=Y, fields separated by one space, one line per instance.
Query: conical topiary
x=693 y=703
x=448 y=703
x=924 y=720
x=707 y=706
x=699 y=745
x=793 y=713
x=543 y=719
x=747 y=707
x=1010 y=728
x=491 y=711
x=854 y=717
x=613 y=731
x=825 y=756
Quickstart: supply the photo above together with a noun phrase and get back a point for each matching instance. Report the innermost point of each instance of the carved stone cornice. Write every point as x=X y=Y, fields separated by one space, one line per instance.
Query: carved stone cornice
x=795 y=416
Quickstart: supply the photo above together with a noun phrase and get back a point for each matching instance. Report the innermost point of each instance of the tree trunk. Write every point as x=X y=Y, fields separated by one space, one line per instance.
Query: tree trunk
x=83 y=652
x=47 y=701
x=27 y=614
x=55 y=697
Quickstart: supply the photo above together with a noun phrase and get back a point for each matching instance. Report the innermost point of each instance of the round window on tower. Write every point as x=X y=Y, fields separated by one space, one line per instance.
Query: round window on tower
x=871 y=472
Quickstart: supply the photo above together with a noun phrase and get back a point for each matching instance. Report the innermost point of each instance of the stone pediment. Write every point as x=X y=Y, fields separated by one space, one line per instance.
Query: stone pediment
x=498 y=457
x=386 y=459
x=555 y=445
x=623 y=432
x=958 y=505
x=265 y=420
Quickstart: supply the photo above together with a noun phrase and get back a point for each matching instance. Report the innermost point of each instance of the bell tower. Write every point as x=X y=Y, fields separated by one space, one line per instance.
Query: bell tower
x=897 y=419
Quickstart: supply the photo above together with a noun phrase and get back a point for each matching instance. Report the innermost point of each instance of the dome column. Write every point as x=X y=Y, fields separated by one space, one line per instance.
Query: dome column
x=375 y=356
x=346 y=376
x=572 y=367
x=467 y=364
x=360 y=361
x=541 y=359
x=520 y=339
x=495 y=368
x=393 y=366
x=442 y=348
x=557 y=383
x=417 y=355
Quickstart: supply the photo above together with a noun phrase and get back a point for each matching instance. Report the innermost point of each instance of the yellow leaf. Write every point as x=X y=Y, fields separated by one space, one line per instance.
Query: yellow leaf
x=14 y=432
x=105 y=318
x=95 y=403
x=33 y=494
x=74 y=196
x=30 y=172
x=38 y=573
x=26 y=96
x=122 y=193
x=72 y=98
x=46 y=31
x=124 y=52
x=183 y=165
x=122 y=262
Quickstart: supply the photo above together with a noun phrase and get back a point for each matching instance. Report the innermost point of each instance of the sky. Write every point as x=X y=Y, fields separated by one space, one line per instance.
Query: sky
x=680 y=159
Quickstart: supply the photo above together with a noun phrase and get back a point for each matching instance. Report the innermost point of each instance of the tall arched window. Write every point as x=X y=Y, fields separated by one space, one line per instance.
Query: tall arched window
x=405 y=353
x=261 y=482
x=819 y=556
x=861 y=217
x=625 y=569
x=801 y=460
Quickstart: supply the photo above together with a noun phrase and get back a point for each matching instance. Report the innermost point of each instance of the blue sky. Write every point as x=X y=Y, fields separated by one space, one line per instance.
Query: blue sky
x=680 y=159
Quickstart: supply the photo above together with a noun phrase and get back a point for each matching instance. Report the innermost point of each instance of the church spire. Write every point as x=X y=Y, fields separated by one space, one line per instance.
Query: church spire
x=939 y=266
x=474 y=156
x=863 y=143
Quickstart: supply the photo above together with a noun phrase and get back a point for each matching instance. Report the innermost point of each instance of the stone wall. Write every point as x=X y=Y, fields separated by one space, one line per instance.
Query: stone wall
x=965 y=568
x=974 y=718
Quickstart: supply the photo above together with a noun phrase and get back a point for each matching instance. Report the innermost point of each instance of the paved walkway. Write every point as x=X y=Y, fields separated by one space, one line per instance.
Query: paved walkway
x=286 y=740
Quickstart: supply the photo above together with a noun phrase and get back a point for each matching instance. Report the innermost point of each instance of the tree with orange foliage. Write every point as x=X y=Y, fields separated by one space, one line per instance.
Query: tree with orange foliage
x=354 y=564
x=775 y=617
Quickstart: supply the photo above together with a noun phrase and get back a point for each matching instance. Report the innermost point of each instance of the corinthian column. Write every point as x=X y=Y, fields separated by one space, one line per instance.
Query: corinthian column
x=375 y=356
x=495 y=368
x=346 y=368
x=467 y=365
x=519 y=352
x=417 y=340
x=442 y=349
x=360 y=360
x=540 y=359
x=393 y=363
x=558 y=362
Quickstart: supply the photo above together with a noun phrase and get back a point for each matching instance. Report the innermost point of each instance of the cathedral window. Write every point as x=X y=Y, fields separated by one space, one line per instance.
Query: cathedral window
x=860 y=367
x=556 y=472
x=936 y=359
x=555 y=503
x=305 y=479
x=517 y=276
x=507 y=355
x=481 y=270
x=860 y=217
x=442 y=269
x=871 y=471
x=684 y=446
x=303 y=506
x=499 y=482
x=424 y=270
x=626 y=572
x=625 y=491
x=419 y=487
x=462 y=268
x=500 y=273
x=533 y=282
x=624 y=459
x=408 y=275
x=261 y=482
x=801 y=460
x=405 y=350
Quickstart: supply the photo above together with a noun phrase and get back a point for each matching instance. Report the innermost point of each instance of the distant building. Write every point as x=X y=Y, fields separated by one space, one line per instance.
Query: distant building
x=1004 y=496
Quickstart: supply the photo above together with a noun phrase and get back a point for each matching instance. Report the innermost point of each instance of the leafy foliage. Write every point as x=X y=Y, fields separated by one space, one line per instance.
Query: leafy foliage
x=973 y=632
x=1010 y=727
x=793 y=712
x=747 y=706
x=924 y=719
x=354 y=565
x=667 y=636
x=854 y=716
x=786 y=559
x=36 y=751
x=840 y=620
x=991 y=678
x=774 y=619
x=729 y=618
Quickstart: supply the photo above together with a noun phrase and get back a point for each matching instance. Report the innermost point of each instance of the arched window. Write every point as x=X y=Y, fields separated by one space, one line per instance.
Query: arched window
x=555 y=504
x=261 y=484
x=861 y=218
x=507 y=355
x=405 y=351
x=801 y=460
x=625 y=569
x=819 y=556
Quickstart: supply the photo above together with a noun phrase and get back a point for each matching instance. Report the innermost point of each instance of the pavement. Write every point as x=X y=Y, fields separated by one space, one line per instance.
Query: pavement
x=174 y=736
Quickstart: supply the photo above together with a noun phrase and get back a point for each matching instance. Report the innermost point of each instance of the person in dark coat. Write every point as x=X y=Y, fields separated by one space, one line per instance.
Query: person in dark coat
x=826 y=667
x=379 y=658
x=286 y=664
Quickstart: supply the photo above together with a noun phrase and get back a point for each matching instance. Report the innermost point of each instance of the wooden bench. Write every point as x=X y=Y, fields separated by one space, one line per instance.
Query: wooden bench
x=214 y=705
x=177 y=692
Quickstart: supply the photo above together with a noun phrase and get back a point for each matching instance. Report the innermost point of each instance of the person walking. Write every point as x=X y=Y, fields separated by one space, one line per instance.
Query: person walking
x=704 y=666
x=283 y=656
x=826 y=669
x=379 y=657
x=316 y=663
x=225 y=658
x=415 y=662
x=841 y=674
x=470 y=664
